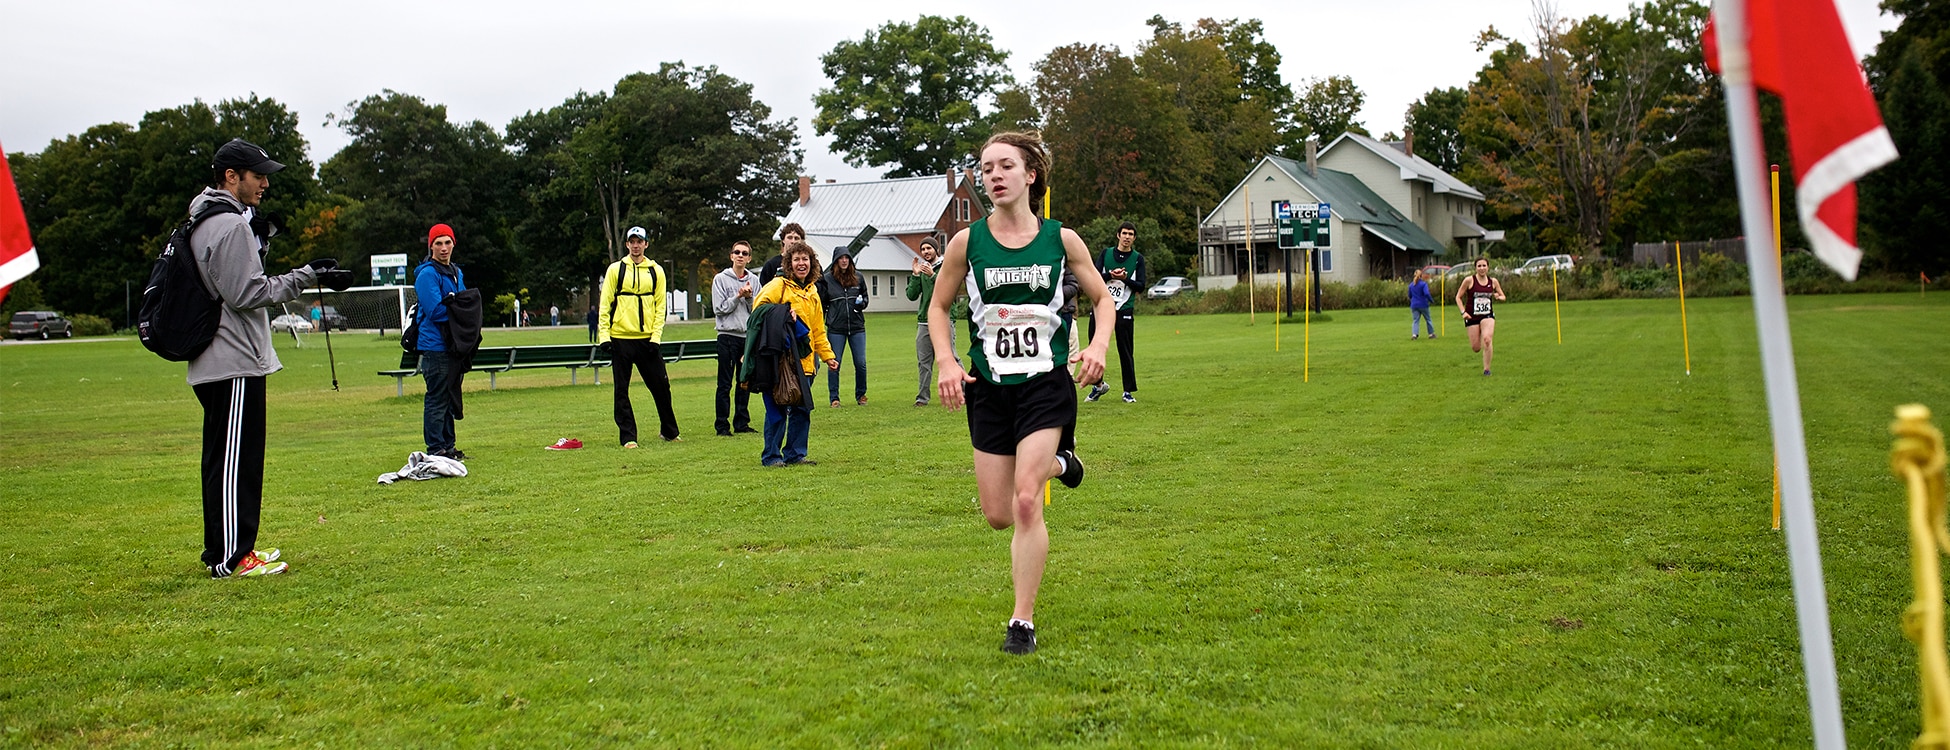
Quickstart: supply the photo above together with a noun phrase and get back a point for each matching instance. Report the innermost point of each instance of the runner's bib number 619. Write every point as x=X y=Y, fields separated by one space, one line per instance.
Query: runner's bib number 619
x=1016 y=338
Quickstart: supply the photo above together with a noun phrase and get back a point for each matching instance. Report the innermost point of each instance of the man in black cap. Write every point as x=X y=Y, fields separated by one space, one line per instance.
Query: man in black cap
x=228 y=377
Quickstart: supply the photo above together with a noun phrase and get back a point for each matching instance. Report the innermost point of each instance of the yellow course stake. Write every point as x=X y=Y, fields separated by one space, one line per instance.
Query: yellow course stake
x=1917 y=458
x=1252 y=305
x=1443 y=285
x=1045 y=493
x=1685 y=336
x=1307 y=318
x=1775 y=172
x=1556 y=311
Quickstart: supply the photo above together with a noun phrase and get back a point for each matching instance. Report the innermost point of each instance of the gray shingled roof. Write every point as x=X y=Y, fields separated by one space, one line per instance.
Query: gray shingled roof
x=894 y=206
x=1412 y=167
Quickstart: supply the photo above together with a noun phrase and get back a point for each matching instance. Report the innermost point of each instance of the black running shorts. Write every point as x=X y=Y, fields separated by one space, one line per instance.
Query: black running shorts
x=1469 y=321
x=1000 y=416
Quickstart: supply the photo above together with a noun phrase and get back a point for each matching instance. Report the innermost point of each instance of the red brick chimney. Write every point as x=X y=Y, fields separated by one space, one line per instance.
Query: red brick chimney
x=951 y=179
x=1408 y=144
x=805 y=190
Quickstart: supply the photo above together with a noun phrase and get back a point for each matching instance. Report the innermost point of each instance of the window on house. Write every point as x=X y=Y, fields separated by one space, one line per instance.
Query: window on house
x=876 y=286
x=961 y=209
x=1326 y=261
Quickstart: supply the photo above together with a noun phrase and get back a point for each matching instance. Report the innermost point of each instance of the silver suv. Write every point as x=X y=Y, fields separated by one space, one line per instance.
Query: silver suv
x=1544 y=264
x=40 y=323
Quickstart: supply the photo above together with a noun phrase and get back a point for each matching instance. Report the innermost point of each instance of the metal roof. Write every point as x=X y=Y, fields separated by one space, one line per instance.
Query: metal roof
x=883 y=253
x=1411 y=167
x=894 y=206
x=1396 y=236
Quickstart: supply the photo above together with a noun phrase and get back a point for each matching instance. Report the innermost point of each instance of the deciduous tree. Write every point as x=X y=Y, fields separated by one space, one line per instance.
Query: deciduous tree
x=1327 y=107
x=687 y=153
x=1119 y=144
x=909 y=96
x=1904 y=222
x=407 y=168
x=1435 y=121
x=102 y=202
x=1561 y=134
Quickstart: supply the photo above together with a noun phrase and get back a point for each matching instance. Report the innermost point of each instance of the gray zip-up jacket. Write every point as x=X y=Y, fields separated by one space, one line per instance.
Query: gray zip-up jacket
x=733 y=312
x=231 y=262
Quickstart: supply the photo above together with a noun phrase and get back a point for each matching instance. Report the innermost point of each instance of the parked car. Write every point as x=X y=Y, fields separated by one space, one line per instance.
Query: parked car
x=1544 y=263
x=1434 y=270
x=40 y=323
x=292 y=322
x=331 y=319
x=1167 y=287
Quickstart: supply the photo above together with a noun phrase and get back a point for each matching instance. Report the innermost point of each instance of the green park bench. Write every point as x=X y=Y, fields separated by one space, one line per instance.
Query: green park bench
x=495 y=360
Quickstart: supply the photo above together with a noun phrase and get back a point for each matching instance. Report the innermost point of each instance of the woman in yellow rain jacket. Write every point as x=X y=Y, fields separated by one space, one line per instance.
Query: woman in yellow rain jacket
x=786 y=427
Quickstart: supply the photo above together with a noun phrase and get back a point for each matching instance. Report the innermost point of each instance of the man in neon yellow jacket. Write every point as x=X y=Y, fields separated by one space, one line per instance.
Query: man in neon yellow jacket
x=630 y=329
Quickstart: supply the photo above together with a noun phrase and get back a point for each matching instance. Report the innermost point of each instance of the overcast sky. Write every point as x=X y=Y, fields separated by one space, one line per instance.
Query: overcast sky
x=75 y=64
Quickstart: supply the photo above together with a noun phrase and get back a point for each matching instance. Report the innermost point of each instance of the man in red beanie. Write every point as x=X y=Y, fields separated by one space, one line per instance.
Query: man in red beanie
x=433 y=282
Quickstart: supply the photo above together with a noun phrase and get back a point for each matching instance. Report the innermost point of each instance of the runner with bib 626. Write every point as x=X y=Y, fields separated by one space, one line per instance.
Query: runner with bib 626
x=1022 y=404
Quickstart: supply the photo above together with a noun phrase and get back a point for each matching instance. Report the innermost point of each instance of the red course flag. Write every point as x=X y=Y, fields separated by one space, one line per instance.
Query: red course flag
x=1835 y=134
x=17 y=256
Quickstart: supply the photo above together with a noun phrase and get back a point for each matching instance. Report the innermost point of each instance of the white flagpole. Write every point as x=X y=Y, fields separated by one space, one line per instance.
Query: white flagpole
x=1777 y=366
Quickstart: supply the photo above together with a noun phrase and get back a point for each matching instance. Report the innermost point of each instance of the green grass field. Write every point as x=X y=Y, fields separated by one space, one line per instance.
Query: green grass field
x=1400 y=553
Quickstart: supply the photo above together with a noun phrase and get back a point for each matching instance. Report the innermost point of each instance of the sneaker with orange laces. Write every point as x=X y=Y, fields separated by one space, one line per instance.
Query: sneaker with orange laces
x=256 y=566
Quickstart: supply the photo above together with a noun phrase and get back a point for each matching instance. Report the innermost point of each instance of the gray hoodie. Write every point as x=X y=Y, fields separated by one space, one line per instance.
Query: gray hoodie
x=731 y=310
x=229 y=259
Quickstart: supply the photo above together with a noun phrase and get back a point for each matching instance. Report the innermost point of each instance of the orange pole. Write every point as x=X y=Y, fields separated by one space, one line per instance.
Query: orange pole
x=1775 y=171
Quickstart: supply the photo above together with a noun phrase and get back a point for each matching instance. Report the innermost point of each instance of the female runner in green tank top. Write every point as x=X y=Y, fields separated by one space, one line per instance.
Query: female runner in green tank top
x=1019 y=394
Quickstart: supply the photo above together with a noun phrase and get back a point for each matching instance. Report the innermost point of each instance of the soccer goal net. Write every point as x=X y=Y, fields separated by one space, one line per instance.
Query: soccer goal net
x=366 y=308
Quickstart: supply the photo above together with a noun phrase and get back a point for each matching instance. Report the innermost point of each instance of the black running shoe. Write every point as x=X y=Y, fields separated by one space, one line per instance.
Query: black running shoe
x=1072 y=469
x=453 y=453
x=1021 y=640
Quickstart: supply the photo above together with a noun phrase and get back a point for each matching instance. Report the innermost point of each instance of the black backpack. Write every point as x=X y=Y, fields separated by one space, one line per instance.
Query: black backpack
x=409 y=338
x=179 y=316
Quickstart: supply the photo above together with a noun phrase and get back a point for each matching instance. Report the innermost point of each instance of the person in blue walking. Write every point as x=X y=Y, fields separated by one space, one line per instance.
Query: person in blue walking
x=1418 y=305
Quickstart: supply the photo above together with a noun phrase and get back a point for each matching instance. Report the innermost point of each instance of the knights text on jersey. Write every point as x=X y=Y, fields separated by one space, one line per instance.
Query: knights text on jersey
x=1013 y=298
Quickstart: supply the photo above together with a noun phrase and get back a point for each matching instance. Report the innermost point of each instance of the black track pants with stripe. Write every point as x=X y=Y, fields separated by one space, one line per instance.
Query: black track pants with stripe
x=1126 y=359
x=233 y=470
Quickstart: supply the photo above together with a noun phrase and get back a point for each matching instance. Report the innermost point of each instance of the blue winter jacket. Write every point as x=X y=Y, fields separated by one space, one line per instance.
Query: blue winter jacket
x=1418 y=295
x=432 y=285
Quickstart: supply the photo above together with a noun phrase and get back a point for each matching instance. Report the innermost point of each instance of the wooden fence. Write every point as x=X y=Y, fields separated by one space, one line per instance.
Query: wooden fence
x=1660 y=253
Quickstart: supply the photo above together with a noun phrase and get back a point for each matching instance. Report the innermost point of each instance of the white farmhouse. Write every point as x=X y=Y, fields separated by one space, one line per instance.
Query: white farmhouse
x=1392 y=213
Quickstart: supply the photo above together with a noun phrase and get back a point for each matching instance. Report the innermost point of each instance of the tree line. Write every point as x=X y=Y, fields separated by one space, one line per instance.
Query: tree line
x=1586 y=135
x=539 y=206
